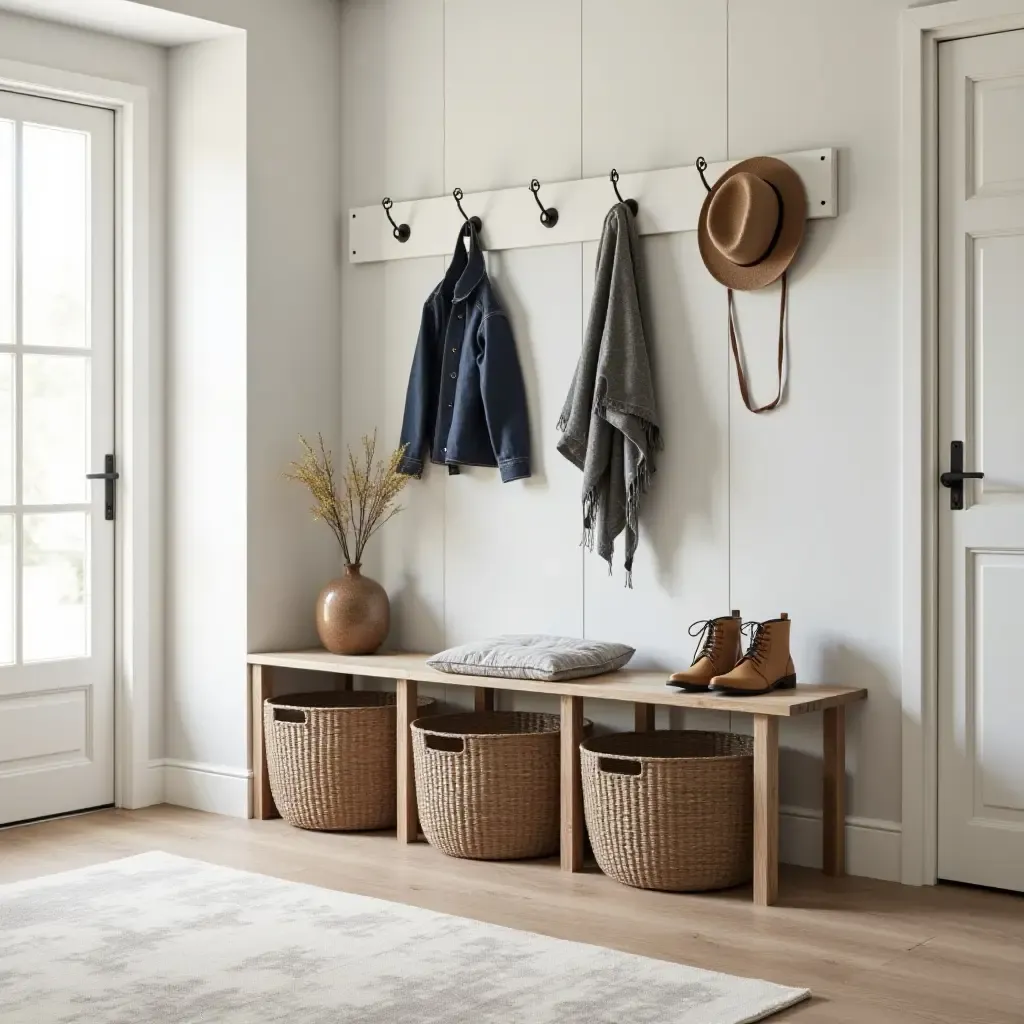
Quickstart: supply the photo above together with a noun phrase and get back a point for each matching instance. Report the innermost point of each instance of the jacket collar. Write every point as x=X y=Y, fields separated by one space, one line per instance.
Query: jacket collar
x=466 y=270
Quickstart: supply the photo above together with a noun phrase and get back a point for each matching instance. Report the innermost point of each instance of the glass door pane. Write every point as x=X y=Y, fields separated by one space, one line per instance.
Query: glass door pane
x=7 y=237
x=55 y=429
x=55 y=606
x=55 y=237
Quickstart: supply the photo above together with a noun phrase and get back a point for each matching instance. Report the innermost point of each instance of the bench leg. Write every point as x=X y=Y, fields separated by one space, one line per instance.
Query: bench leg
x=483 y=698
x=263 y=806
x=572 y=790
x=766 y=809
x=408 y=816
x=833 y=835
x=643 y=717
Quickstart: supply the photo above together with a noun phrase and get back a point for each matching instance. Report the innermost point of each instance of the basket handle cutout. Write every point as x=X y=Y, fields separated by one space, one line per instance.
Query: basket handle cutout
x=290 y=715
x=617 y=766
x=449 y=744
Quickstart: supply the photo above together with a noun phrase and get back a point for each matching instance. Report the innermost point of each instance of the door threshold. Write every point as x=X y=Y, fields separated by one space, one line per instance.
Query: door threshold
x=56 y=817
x=980 y=888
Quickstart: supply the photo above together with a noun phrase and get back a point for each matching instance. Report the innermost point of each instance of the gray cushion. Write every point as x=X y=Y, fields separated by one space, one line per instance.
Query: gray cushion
x=550 y=658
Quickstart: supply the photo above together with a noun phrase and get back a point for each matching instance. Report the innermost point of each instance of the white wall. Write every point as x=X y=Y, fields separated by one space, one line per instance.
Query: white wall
x=796 y=511
x=293 y=129
x=44 y=44
x=206 y=394
x=290 y=367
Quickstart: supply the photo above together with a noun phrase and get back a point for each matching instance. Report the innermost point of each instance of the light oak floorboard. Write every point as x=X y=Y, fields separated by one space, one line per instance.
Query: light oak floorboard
x=870 y=951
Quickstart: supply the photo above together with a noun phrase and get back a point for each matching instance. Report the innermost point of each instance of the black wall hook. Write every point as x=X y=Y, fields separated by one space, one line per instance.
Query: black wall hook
x=634 y=206
x=548 y=216
x=702 y=166
x=401 y=231
x=475 y=221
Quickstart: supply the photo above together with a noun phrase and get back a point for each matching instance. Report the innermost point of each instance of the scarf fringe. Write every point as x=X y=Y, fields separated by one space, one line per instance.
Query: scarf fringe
x=589 y=508
x=635 y=490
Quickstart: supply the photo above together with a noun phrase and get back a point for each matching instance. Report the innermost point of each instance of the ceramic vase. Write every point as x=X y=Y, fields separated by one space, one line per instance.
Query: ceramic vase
x=353 y=614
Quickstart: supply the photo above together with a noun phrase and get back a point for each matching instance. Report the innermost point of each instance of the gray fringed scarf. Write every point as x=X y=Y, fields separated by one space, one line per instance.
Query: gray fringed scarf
x=610 y=422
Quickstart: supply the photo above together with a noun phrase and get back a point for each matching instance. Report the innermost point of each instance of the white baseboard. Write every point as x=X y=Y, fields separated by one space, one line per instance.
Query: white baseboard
x=216 y=788
x=872 y=846
x=149 y=786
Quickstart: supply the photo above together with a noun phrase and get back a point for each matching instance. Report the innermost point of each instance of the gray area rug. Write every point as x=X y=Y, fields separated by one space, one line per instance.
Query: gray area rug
x=158 y=939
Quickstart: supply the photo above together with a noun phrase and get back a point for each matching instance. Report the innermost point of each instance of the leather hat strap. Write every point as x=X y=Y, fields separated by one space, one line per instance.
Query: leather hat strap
x=734 y=341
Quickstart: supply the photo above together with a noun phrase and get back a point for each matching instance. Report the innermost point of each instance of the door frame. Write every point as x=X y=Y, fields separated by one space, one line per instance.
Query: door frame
x=922 y=29
x=138 y=340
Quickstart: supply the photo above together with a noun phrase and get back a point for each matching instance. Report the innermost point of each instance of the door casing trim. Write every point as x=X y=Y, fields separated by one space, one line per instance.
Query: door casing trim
x=922 y=29
x=138 y=355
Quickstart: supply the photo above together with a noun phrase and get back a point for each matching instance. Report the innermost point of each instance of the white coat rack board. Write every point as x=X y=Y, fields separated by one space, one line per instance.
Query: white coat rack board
x=670 y=200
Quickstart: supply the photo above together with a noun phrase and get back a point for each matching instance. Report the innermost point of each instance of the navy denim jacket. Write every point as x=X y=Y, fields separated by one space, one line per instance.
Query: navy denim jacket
x=466 y=401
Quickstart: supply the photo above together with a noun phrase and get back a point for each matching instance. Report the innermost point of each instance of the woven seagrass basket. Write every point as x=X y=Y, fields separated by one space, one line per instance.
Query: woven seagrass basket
x=331 y=759
x=487 y=783
x=671 y=810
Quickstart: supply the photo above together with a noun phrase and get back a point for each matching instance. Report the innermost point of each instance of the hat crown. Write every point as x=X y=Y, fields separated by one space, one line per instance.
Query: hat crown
x=743 y=218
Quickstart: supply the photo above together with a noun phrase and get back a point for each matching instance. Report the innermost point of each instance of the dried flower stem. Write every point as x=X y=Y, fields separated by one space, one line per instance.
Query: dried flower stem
x=370 y=491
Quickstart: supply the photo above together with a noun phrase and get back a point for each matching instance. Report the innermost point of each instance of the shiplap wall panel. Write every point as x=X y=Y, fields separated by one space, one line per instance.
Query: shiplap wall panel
x=653 y=84
x=666 y=112
x=512 y=80
x=413 y=559
x=512 y=88
x=513 y=562
x=815 y=486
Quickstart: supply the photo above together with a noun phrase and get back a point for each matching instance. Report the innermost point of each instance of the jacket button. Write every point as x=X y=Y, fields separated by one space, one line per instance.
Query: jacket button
x=454 y=375
x=454 y=349
x=459 y=317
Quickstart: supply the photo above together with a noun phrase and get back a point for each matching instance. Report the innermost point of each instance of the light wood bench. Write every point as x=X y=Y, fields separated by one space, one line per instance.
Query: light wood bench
x=644 y=690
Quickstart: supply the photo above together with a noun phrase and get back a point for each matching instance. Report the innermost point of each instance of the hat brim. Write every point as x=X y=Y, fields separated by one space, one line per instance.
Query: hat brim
x=791 y=191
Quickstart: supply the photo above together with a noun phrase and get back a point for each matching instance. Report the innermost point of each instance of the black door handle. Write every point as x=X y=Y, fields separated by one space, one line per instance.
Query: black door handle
x=108 y=476
x=954 y=479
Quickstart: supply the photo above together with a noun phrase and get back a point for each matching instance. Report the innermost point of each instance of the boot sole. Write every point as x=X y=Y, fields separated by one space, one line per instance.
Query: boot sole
x=785 y=683
x=690 y=687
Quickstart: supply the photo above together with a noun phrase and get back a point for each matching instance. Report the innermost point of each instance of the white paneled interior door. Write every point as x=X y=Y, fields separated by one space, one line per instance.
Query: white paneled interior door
x=56 y=425
x=981 y=370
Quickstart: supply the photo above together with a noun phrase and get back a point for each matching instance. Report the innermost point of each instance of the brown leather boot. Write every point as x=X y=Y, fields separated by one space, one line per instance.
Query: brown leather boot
x=718 y=650
x=766 y=666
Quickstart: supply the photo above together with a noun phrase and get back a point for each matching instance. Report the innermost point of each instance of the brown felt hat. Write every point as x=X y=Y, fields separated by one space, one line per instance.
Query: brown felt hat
x=752 y=223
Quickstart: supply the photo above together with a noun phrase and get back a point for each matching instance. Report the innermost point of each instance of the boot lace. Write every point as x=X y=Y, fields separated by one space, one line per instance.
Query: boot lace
x=709 y=641
x=757 y=649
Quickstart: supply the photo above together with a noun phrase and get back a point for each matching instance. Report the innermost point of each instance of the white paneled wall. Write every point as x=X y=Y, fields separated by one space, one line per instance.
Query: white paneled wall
x=796 y=511
x=512 y=92
x=815 y=489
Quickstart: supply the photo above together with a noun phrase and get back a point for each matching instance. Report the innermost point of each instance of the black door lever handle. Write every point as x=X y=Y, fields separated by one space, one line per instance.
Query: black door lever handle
x=954 y=479
x=108 y=476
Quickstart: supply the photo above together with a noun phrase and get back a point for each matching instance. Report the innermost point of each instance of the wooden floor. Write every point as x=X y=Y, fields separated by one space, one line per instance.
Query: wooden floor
x=871 y=952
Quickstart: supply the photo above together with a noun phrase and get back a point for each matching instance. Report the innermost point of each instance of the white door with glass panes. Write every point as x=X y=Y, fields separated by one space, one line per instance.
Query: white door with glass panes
x=981 y=439
x=56 y=427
